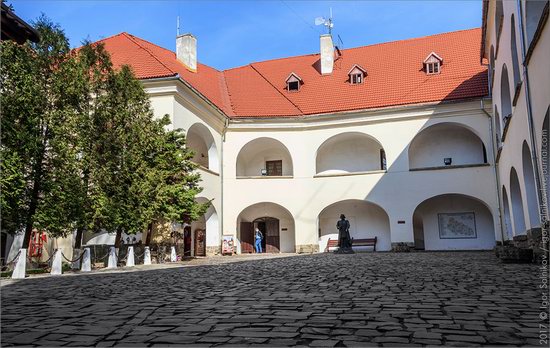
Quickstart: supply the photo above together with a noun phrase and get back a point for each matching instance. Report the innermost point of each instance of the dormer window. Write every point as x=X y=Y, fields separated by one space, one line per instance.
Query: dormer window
x=432 y=64
x=356 y=75
x=293 y=83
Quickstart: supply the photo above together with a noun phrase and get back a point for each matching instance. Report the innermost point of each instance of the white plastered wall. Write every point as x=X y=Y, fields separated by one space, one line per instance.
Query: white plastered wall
x=397 y=190
x=539 y=80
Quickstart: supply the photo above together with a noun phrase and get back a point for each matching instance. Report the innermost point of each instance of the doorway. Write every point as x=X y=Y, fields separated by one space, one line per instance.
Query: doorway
x=270 y=229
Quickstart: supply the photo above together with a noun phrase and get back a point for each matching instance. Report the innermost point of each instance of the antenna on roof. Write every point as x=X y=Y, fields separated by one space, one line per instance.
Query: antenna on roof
x=178 y=26
x=340 y=42
x=326 y=22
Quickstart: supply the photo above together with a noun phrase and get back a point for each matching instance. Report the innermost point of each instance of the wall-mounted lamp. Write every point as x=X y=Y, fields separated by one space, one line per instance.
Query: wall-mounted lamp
x=448 y=161
x=264 y=172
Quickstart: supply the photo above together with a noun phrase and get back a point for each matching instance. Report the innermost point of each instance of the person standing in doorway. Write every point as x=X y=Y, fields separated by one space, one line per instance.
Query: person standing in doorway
x=258 y=236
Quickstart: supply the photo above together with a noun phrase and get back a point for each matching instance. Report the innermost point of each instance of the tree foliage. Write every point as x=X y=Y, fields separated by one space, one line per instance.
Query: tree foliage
x=81 y=149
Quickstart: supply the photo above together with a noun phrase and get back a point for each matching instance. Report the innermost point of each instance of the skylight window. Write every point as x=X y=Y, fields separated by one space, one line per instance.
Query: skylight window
x=356 y=75
x=432 y=64
x=293 y=83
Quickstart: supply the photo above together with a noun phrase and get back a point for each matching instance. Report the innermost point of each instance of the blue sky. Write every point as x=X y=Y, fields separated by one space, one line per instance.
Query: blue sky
x=235 y=33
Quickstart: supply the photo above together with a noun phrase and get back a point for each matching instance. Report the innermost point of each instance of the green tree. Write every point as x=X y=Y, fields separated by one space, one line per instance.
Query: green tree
x=80 y=146
x=37 y=101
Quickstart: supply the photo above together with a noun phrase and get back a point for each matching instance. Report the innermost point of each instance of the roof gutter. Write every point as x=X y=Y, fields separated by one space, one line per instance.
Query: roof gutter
x=495 y=170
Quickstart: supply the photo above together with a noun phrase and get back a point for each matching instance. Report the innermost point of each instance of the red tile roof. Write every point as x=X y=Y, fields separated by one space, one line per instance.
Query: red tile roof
x=395 y=76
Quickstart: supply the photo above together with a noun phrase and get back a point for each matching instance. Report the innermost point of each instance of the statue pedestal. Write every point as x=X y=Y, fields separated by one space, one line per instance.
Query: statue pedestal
x=344 y=251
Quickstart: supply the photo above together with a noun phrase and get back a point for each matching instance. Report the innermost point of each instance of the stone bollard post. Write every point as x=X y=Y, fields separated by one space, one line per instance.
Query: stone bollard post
x=112 y=258
x=147 y=256
x=130 y=258
x=57 y=265
x=76 y=264
x=19 y=270
x=173 y=256
x=86 y=261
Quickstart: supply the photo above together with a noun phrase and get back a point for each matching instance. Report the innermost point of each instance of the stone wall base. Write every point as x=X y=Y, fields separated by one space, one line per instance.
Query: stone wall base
x=402 y=247
x=307 y=248
x=213 y=250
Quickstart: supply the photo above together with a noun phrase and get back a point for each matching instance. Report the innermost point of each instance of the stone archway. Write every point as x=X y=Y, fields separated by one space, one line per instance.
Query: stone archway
x=276 y=222
x=367 y=220
x=454 y=221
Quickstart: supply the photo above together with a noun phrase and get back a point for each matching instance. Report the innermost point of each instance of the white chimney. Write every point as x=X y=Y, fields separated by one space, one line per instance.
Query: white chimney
x=327 y=54
x=186 y=51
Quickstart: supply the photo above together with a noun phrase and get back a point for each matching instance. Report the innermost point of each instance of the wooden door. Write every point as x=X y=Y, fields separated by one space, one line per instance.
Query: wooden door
x=200 y=242
x=247 y=237
x=272 y=236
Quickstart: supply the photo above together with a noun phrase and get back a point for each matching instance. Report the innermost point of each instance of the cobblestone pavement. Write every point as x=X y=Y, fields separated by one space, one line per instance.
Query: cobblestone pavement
x=367 y=299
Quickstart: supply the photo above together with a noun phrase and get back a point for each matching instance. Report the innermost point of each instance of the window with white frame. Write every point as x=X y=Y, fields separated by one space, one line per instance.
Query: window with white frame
x=293 y=83
x=432 y=64
x=356 y=75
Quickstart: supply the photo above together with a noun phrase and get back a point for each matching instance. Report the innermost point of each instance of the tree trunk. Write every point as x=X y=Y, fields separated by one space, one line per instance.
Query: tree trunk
x=149 y=234
x=78 y=237
x=118 y=237
x=29 y=223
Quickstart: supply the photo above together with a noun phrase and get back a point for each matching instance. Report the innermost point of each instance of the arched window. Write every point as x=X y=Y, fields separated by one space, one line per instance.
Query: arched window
x=533 y=13
x=492 y=67
x=517 y=203
x=513 y=47
x=499 y=14
x=505 y=100
x=201 y=141
x=530 y=188
x=498 y=129
x=264 y=157
x=446 y=144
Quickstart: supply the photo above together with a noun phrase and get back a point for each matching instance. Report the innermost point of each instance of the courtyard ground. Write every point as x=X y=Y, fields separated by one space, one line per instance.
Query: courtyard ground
x=366 y=299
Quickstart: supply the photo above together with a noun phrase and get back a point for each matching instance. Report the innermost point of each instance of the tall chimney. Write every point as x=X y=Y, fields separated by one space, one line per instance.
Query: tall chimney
x=186 y=51
x=327 y=54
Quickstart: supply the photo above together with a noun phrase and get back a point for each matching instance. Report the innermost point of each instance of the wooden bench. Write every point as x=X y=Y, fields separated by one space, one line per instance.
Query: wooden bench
x=333 y=243
x=364 y=242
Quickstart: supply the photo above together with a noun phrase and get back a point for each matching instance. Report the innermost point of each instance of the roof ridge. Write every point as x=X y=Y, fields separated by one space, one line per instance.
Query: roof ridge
x=131 y=37
x=225 y=92
x=271 y=84
x=411 y=39
x=354 y=48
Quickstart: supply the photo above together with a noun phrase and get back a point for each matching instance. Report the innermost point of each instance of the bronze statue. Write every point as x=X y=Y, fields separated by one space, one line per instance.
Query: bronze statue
x=344 y=239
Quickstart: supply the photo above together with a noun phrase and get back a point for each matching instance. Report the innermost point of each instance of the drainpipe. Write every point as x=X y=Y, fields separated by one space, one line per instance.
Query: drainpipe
x=495 y=170
x=224 y=130
x=531 y=123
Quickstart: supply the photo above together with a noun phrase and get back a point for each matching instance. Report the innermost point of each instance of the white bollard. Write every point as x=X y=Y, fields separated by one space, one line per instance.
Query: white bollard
x=173 y=257
x=86 y=261
x=76 y=264
x=112 y=258
x=20 y=265
x=130 y=259
x=57 y=265
x=147 y=256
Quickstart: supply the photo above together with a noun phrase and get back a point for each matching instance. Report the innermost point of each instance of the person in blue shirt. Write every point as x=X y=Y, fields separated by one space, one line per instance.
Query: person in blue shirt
x=258 y=236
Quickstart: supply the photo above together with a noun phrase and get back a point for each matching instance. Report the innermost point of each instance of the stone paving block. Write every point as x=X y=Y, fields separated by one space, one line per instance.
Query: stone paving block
x=424 y=298
x=463 y=338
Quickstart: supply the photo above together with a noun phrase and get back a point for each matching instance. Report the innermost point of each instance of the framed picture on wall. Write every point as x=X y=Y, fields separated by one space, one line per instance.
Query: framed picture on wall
x=457 y=225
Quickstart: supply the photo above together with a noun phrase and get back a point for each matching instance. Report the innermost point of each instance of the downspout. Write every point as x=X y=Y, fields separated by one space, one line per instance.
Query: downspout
x=534 y=156
x=224 y=130
x=495 y=169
